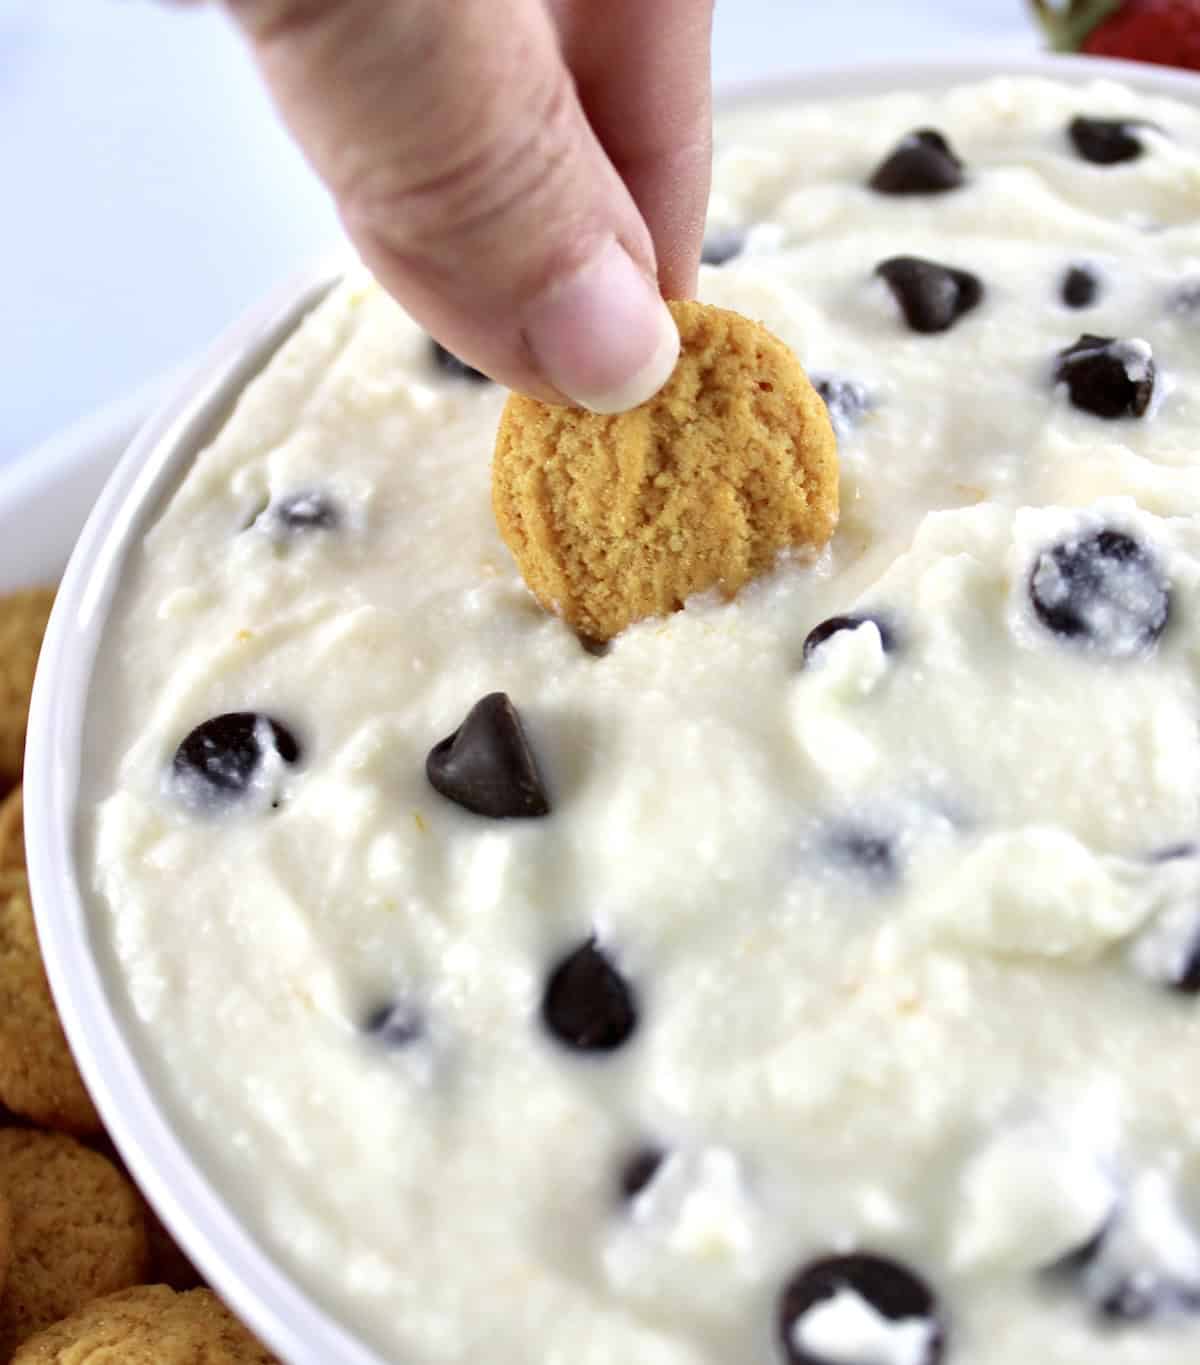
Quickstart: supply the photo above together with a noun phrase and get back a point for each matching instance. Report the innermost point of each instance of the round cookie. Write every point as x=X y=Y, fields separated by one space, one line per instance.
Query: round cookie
x=38 y=1075
x=12 y=831
x=615 y=518
x=23 y=617
x=77 y=1231
x=149 y=1325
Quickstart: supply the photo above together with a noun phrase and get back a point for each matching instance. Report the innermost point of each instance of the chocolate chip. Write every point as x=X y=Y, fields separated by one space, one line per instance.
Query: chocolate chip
x=1106 y=377
x=1184 y=299
x=867 y=852
x=218 y=760
x=1072 y=1262
x=1187 y=980
x=922 y=163
x=588 y=1005
x=640 y=1169
x=394 y=1025
x=1104 y=590
x=890 y=1289
x=449 y=364
x=1143 y=1296
x=1139 y=1295
x=722 y=247
x=846 y=399
x=1132 y=1300
x=932 y=297
x=311 y=510
x=1171 y=853
x=820 y=633
x=486 y=765
x=1080 y=287
x=1142 y=1264
x=1107 y=141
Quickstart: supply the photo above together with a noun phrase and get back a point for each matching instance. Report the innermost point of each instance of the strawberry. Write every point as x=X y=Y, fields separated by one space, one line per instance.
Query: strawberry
x=1162 y=31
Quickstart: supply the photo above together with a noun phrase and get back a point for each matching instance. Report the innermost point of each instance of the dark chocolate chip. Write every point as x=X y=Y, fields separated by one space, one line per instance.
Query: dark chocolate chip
x=932 y=297
x=1187 y=979
x=722 y=247
x=1071 y=1263
x=820 y=633
x=449 y=364
x=922 y=163
x=1080 y=287
x=846 y=399
x=865 y=851
x=487 y=766
x=893 y=1291
x=1133 y=1300
x=640 y=1169
x=588 y=1005
x=220 y=757
x=1127 y=1280
x=1184 y=299
x=394 y=1025
x=1107 y=141
x=310 y=510
x=1144 y=1295
x=1171 y=853
x=1104 y=590
x=1097 y=373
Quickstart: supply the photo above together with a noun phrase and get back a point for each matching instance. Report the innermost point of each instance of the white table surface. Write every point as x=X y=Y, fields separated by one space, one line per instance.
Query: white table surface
x=149 y=193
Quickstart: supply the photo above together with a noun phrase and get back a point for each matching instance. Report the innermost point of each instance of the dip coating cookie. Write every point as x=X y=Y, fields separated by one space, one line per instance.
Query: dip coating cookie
x=23 y=617
x=615 y=518
x=77 y=1231
x=38 y=1076
x=149 y=1325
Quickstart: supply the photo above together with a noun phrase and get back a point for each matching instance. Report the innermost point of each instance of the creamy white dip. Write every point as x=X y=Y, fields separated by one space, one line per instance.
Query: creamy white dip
x=907 y=926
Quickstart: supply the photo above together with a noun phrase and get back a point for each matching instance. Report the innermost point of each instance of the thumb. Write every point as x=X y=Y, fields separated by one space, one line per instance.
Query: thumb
x=469 y=179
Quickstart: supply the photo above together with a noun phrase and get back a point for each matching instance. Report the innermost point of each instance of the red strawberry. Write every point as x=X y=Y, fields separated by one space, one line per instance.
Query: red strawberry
x=1162 y=31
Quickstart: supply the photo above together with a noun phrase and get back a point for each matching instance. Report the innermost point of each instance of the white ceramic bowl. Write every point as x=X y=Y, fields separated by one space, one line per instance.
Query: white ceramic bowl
x=77 y=964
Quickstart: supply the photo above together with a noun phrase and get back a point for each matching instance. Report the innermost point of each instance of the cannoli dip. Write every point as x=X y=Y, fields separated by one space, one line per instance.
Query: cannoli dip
x=812 y=976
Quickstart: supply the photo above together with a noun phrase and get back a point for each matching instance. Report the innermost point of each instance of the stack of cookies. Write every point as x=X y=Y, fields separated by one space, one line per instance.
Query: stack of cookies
x=86 y=1270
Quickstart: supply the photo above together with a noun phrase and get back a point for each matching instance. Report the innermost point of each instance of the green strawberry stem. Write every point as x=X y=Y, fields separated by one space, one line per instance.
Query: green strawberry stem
x=1067 y=26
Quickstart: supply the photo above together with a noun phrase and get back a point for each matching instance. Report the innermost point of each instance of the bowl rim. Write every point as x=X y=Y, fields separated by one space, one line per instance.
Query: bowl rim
x=269 y=1299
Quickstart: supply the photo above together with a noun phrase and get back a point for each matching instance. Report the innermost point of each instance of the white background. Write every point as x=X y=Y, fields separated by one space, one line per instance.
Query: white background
x=148 y=194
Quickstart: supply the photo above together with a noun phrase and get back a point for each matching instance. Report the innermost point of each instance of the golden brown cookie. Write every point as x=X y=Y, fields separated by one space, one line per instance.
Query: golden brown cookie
x=6 y=1242
x=12 y=831
x=615 y=518
x=23 y=617
x=150 y=1325
x=38 y=1075
x=77 y=1231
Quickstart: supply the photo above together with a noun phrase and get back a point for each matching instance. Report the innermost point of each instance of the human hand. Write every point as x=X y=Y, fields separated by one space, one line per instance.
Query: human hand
x=525 y=176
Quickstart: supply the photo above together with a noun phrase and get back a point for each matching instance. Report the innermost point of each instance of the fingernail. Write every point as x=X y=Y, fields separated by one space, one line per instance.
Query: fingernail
x=603 y=337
